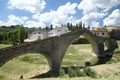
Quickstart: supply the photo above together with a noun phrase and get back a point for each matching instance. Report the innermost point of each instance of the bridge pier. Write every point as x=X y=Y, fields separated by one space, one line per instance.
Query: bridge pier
x=54 y=63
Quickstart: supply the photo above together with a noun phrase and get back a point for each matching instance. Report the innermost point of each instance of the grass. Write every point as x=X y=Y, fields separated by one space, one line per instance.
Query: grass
x=33 y=58
x=4 y=45
x=72 y=50
x=117 y=50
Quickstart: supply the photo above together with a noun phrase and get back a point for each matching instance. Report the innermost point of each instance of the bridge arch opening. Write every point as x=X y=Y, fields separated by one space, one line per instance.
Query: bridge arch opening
x=26 y=65
x=81 y=53
x=77 y=55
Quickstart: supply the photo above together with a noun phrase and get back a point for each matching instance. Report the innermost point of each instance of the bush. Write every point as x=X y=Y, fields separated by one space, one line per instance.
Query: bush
x=89 y=72
x=81 y=41
x=75 y=72
x=71 y=72
x=62 y=72
x=78 y=73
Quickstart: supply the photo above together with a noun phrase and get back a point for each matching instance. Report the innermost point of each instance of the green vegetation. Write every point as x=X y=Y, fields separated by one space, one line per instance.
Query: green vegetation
x=117 y=51
x=71 y=50
x=89 y=72
x=81 y=41
x=13 y=37
x=71 y=72
x=21 y=34
x=75 y=72
x=4 y=45
x=112 y=61
x=33 y=58
x=62 y=72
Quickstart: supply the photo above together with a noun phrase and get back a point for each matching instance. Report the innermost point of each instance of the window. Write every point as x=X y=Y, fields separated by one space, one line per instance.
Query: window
x=39 y=32
x=34 y=33
x=58 y=30
x=103 y=33
x=97 y=33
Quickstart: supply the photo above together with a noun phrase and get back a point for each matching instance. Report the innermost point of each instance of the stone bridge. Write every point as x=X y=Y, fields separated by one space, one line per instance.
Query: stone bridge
x=54 y=48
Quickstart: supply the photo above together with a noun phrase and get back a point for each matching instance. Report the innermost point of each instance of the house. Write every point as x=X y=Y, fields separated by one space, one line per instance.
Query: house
x=58 y=31
x=99 y=31
x=41 y=34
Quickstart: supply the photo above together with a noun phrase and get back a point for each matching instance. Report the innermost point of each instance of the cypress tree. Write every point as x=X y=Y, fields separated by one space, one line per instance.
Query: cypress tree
x=21 y=34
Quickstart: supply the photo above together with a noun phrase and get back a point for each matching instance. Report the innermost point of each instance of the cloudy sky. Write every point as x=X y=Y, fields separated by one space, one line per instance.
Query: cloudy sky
x=36 y=13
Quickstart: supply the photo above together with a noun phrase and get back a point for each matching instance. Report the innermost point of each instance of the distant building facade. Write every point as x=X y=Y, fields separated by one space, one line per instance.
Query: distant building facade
x=99 y=31
x=58 y=31
x=38 y=34
x=42 y=34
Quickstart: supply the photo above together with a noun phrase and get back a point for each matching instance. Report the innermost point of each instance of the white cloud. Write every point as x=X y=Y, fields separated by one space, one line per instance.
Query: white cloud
x=23 y=20
x=14 y=20
x=60 y=16
x=93 y=5
x=93 y=10
x=1 y=23
x=113 y=18
x=34 y=24
x=95 y=23
x=33 y=6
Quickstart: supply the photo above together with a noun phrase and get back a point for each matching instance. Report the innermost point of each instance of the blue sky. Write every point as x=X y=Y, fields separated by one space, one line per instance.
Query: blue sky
x=39 y=13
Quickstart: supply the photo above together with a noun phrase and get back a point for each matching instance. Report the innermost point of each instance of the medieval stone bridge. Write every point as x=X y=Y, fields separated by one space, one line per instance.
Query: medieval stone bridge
x=54 y=48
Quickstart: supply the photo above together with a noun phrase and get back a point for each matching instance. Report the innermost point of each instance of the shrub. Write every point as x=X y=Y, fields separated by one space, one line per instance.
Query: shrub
x=78 y=73
x=89 y=72
x=81 y=41
x=75 y=72
x=62 y=72
x=71 y=72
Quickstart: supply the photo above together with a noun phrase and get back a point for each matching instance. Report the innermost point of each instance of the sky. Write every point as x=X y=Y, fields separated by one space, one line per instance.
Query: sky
x=41 y=13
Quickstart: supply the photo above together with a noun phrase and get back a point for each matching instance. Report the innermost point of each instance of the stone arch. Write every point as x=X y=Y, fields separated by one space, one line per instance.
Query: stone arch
x=93 y=43
x=9 y=53
x=54 y=48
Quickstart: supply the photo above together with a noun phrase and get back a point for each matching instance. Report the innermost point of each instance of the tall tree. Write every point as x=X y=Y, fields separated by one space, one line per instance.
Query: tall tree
x=68 y=25
x=83 y=25
x=21 y=34
x=80 y=25
x=51 y=26
x=88 y=27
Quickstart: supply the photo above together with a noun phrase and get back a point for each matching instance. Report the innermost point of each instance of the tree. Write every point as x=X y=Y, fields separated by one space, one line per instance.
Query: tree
x=83 y=25
x=80 y=25
x=68 y=25
x=77 y=26
x=51 y=26
x=21 y=34
x=88 y=27
x=46 y=28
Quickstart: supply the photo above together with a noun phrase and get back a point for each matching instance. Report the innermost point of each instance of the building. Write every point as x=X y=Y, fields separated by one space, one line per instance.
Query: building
x=58 y=31
x=42 y=34
x=100 y=31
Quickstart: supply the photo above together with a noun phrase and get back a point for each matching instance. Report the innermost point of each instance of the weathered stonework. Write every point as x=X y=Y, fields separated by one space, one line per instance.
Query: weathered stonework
x=54 y=48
